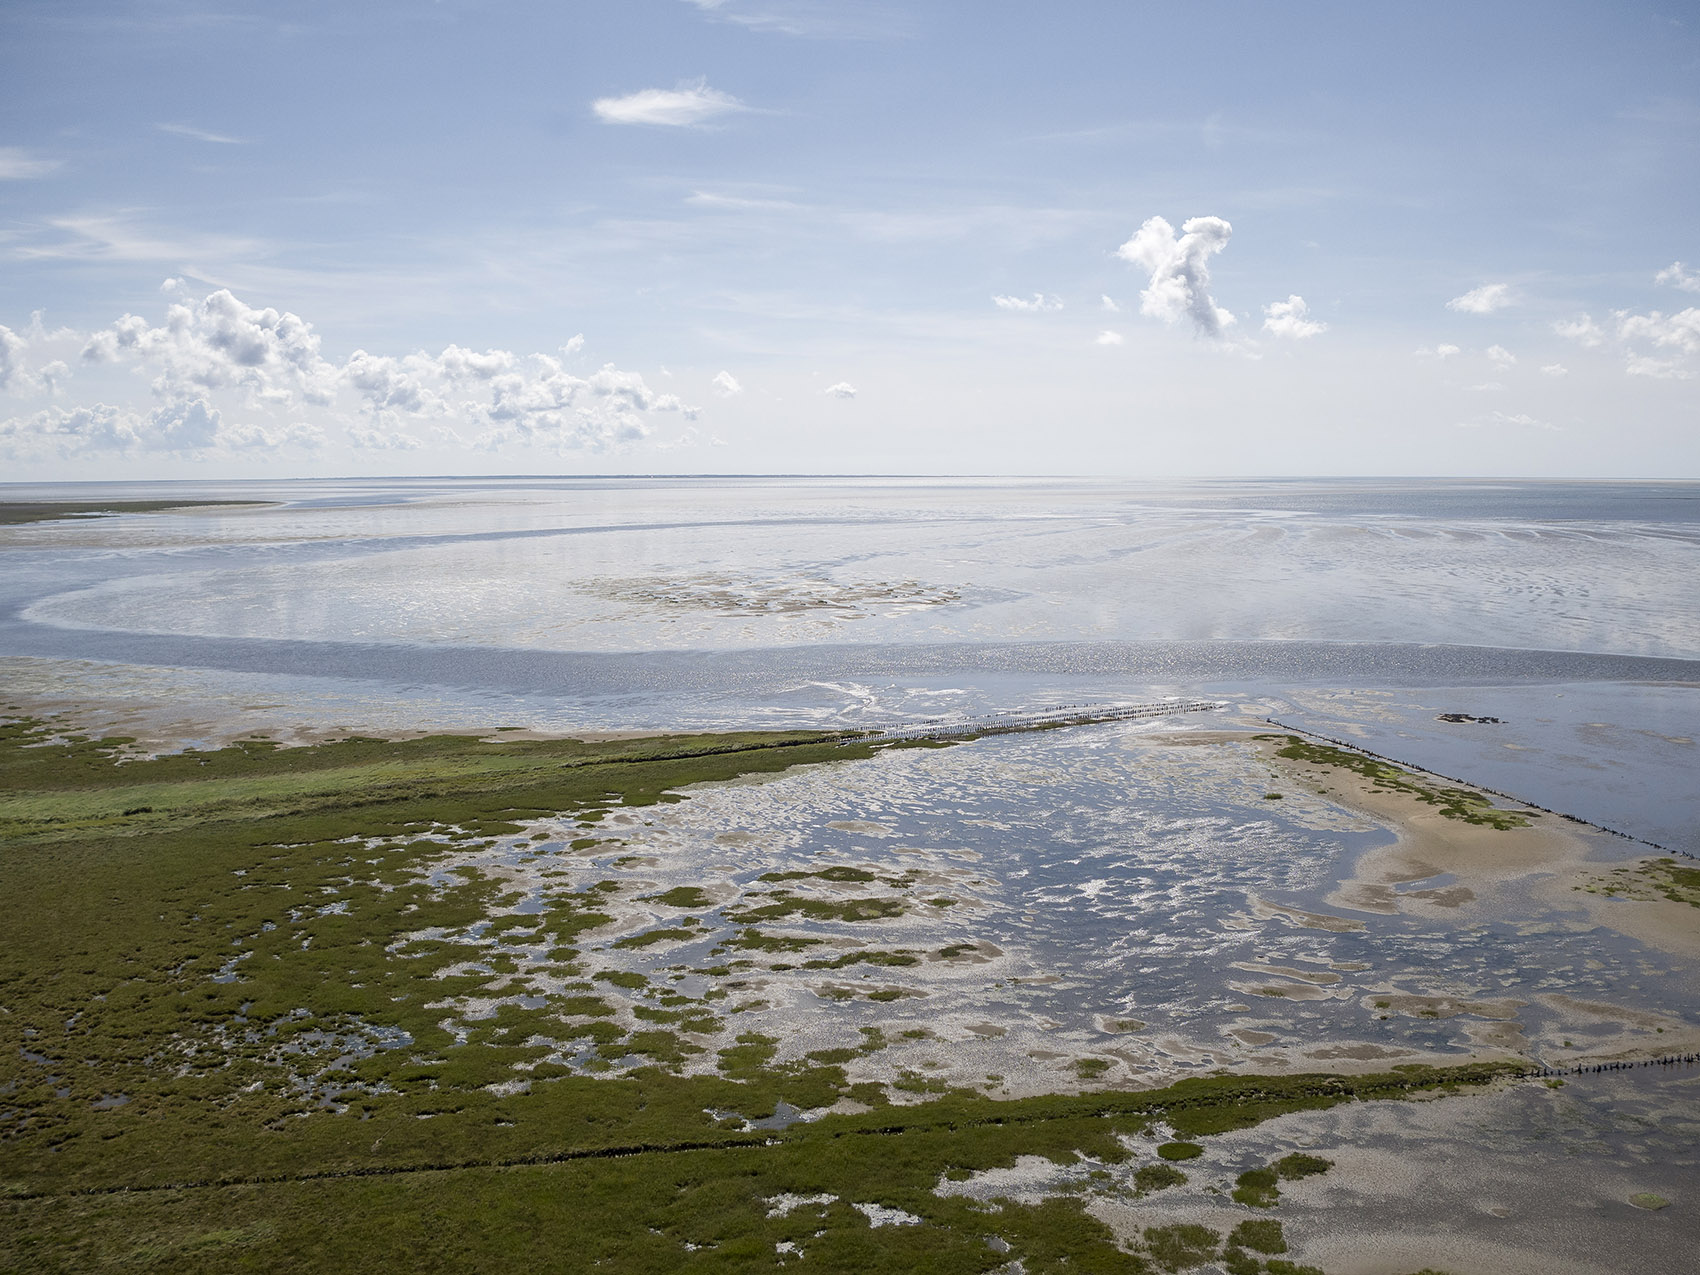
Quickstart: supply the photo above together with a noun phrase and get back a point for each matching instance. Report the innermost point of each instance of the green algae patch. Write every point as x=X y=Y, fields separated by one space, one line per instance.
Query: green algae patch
x=1462 y=804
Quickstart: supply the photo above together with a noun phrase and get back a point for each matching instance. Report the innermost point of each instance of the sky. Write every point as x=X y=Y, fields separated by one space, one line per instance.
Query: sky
x=799 y=236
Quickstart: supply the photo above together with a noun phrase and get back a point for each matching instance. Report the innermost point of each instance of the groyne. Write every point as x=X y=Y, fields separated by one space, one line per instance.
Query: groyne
x=1039 y=719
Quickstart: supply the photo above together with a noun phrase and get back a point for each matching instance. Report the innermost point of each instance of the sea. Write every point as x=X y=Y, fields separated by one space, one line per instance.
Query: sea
x=1397 y=613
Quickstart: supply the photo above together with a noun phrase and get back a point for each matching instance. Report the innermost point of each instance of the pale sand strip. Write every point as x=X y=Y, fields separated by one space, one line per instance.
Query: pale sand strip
x=1551 y=854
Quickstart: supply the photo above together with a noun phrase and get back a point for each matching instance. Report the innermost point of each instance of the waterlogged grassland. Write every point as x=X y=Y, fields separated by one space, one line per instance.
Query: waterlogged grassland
x=1461 y=804
x=289 y=1009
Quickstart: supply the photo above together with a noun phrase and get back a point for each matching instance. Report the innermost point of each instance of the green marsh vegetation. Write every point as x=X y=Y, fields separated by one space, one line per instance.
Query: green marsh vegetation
x=1661 y=878
x=1454 y=803
x=224 y=981
x=15 y=512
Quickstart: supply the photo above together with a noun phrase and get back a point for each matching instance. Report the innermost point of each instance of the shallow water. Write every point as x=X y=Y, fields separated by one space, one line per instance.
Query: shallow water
x=636 y=603
x=1088 y=893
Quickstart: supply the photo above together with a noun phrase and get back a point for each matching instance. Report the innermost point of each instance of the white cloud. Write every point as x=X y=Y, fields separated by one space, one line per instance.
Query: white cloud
x=1583 y=330
x=1483 y=300
x=842 y=390
x=1109 y=304
x=1500 y=420
x=1287 y=319
x=17 y=164
x=1501 y=357
x=1438 y=352
x=687 y=105
x=188 y=426
x=12 y=347
x=1179 y=269
x=1040 y=304
x=1109 y=338
x=1555 y=369
x=218 y=353
x=820 y=19
x=1674 y=340
x=1680 y=331
x=1678 y=275
x=726 y=385
x=201 y=134
x=574 y=344
x=1661 y=369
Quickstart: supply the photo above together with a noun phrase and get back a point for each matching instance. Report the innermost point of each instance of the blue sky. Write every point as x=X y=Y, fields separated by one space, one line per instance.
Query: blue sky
x=773 y=236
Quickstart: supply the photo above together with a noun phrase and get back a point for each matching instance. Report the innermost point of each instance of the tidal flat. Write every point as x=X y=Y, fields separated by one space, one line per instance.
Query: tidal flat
x=1067 y=999
x=490 y=875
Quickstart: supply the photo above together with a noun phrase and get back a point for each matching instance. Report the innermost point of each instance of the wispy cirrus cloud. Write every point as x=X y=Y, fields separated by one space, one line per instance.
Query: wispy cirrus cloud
x=689 y=104
x=816 y=19
x=18 y=164
x=201 y=134
x=123 y=237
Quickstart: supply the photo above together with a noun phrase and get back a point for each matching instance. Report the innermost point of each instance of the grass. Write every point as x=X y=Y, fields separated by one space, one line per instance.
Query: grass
x=256 y=958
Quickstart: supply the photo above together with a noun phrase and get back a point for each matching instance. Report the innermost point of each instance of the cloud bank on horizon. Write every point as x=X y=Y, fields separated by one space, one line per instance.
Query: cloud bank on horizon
x=226 y=376
x=758 y=208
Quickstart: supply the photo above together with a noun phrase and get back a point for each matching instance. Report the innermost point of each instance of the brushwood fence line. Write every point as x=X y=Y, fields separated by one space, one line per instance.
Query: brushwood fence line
x=1042 y=719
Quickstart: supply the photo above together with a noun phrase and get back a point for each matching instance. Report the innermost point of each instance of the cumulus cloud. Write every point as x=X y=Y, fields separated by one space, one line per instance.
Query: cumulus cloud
x=1109 y=338
x=1555 y=369
x=574 y=344
x=682 y=107
x=1438 y=352
x=17 y=164
x=1109 y=304
x=1679 y=332
x=842 y=390
x=1680 y=276
x=1179 y=269
x=11 y=357
x=1501 y=357
x=228 y=375
x=1287 y=319
x=1582 y=330
x=726 y=385
x=1040 y=304
x=1483 y=300
x=1656 y=344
